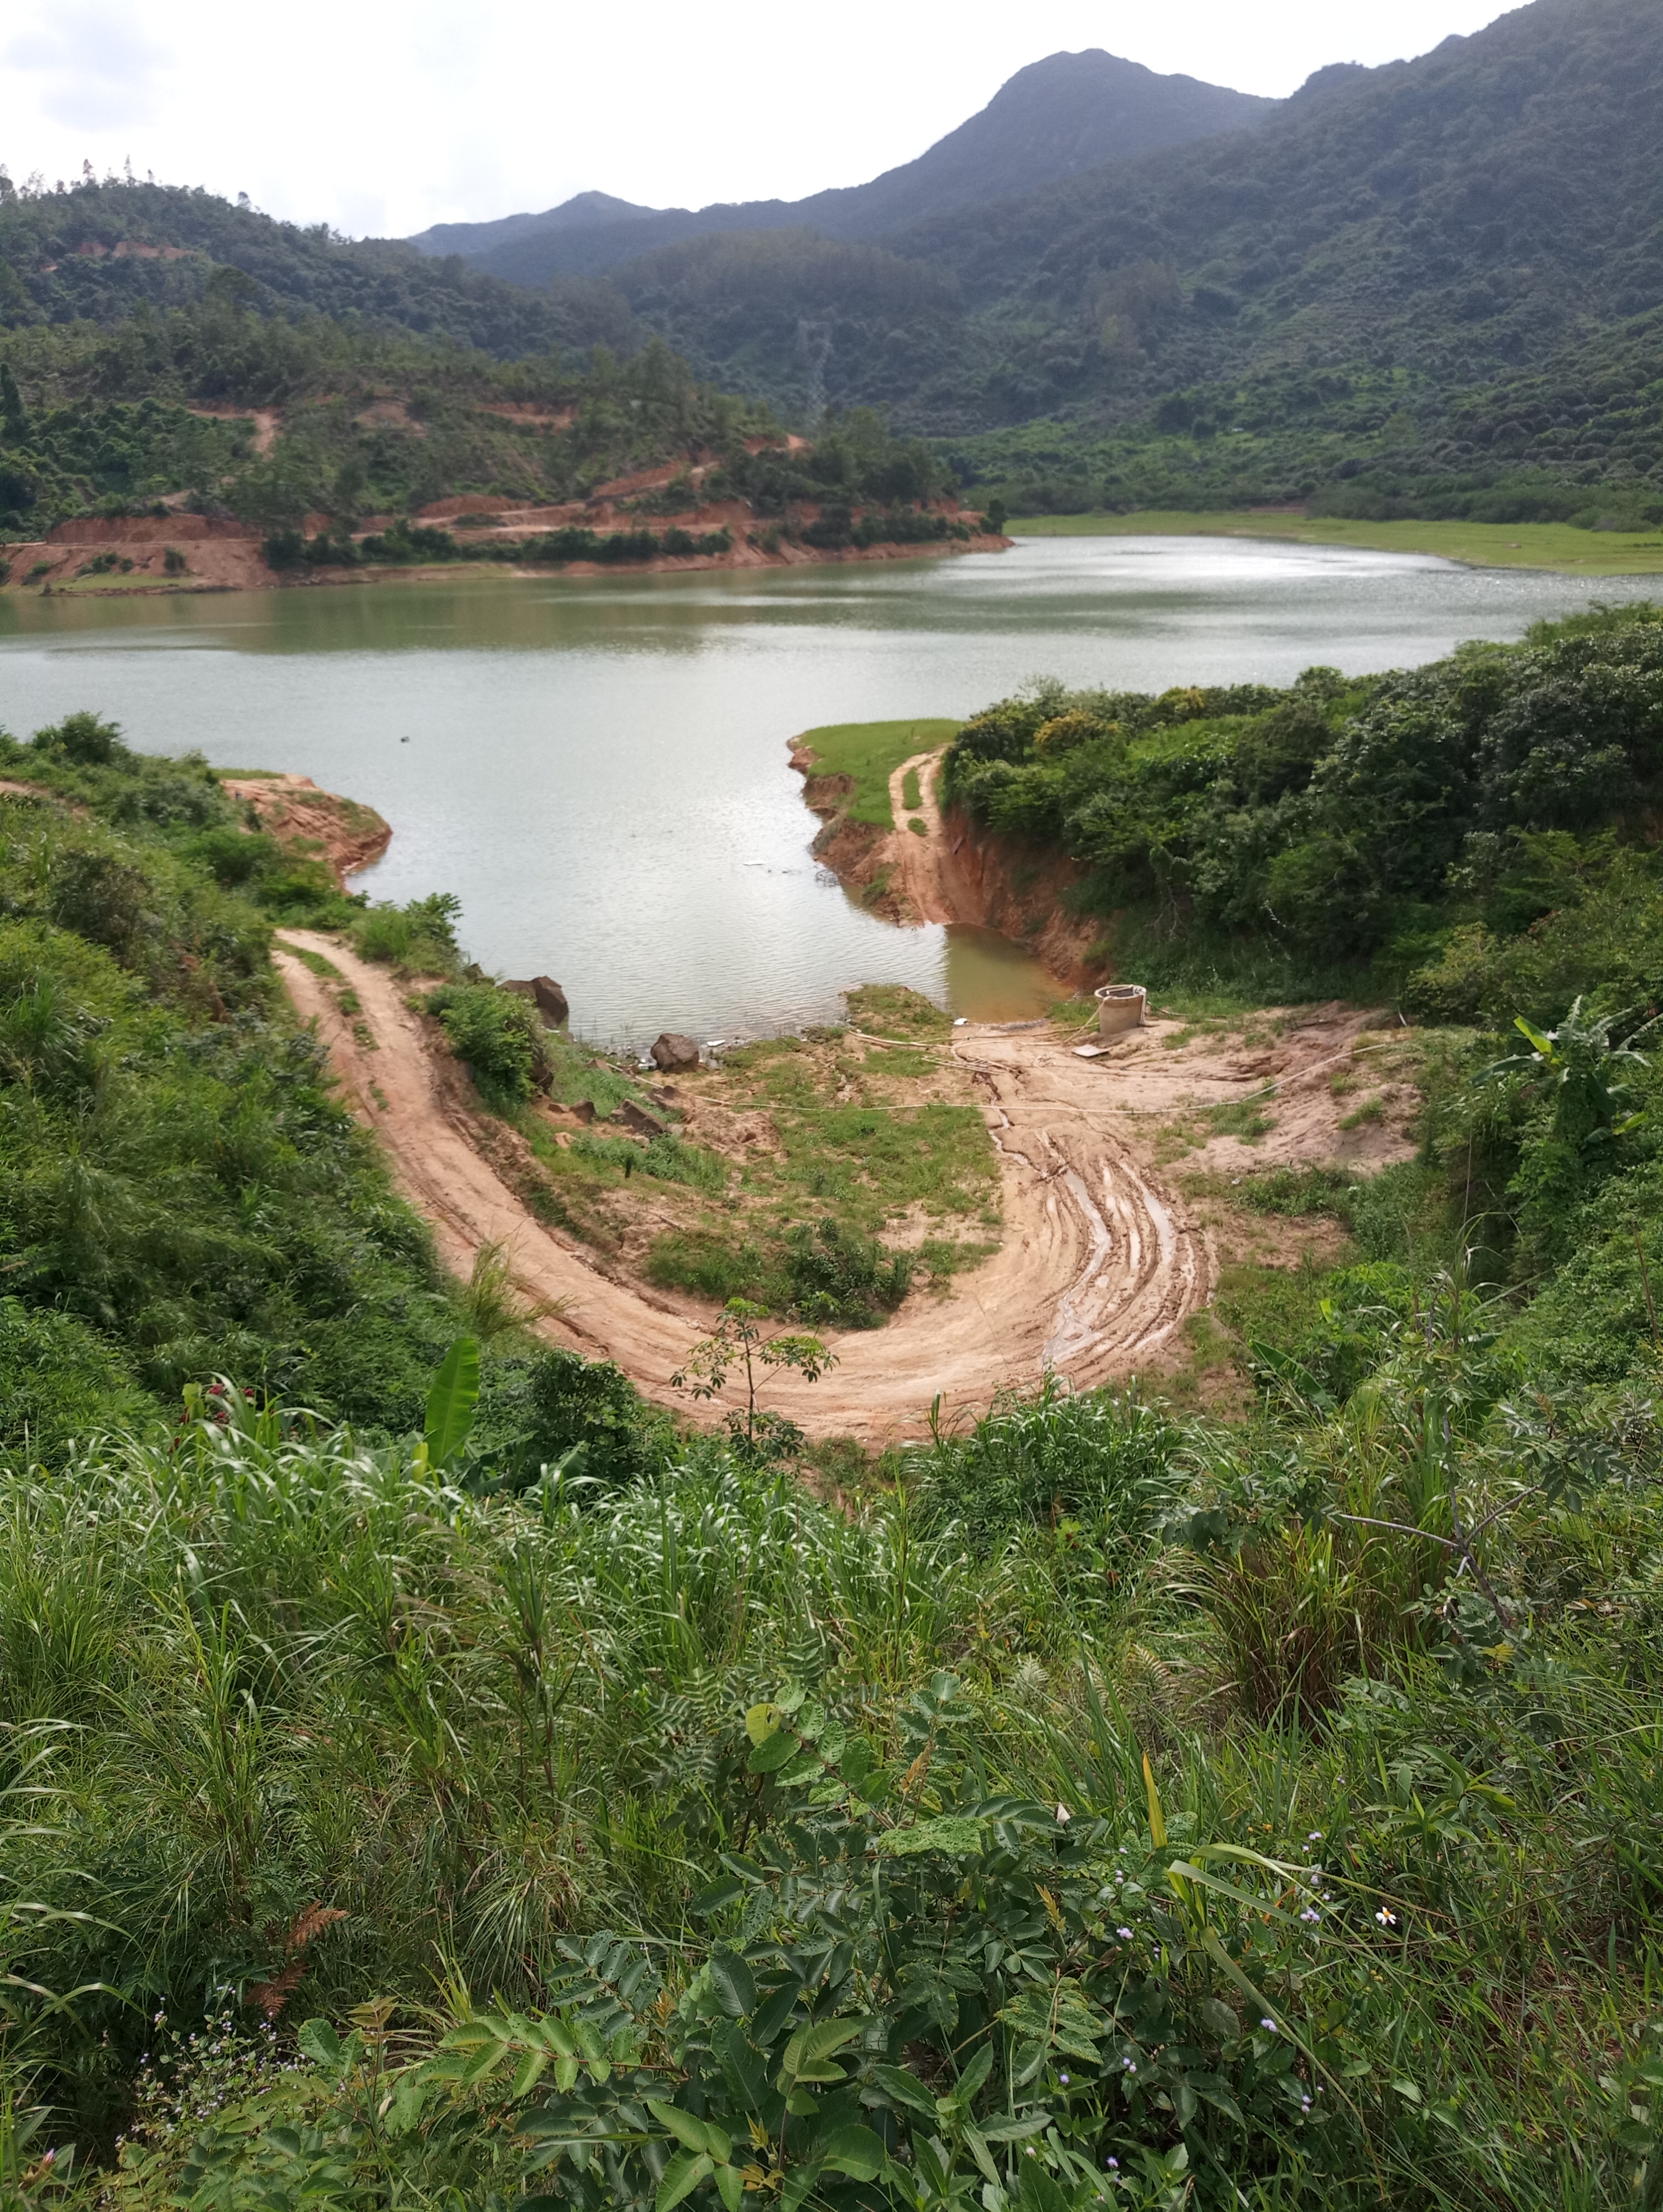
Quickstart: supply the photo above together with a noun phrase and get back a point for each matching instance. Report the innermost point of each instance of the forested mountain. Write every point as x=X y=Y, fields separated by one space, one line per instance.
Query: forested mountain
x=1371 y=277
x=1462 y=214
x=99 y=250
x=1068 y=113
x=1426 y=288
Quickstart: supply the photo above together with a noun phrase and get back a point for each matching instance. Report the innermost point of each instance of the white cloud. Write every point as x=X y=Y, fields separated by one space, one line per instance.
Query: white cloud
x=95 y=68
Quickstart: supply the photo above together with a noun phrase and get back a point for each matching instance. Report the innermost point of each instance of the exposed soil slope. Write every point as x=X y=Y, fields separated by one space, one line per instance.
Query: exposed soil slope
x=343 y=833
x=952 y=870
x=1101 y=1264
x=220 y=554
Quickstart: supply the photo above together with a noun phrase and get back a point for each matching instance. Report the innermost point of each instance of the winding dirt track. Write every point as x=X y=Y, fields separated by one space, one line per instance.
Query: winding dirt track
x=1099 y=1265
x=914 y=862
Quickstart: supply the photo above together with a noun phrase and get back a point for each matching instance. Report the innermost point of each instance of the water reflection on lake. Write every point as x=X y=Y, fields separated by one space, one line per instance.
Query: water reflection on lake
x=597 y=766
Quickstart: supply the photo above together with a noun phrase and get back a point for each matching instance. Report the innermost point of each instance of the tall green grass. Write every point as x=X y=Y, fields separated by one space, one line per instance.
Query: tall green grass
x=269 y=1674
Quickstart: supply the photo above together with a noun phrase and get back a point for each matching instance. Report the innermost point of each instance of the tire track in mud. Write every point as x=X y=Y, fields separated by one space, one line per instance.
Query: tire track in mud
x=1098 y=1269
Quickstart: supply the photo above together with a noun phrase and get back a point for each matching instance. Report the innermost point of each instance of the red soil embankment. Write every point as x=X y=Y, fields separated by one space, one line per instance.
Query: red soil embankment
x=343 y=834
x=956 y=871
x=1006 y=884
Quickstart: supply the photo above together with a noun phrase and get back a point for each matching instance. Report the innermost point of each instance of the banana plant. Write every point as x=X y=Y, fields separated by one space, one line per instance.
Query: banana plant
x=452 y=1403
x=1578 y=1068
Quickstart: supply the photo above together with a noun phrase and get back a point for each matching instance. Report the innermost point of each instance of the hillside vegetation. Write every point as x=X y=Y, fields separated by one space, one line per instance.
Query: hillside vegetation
x=1427 y=289
x=511 y=1798
x=1430 y=288
x=180 y=1192
x=107 y=420
x=228 y=407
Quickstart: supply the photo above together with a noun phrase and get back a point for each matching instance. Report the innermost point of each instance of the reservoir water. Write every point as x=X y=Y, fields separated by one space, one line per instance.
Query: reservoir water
x=597 y=766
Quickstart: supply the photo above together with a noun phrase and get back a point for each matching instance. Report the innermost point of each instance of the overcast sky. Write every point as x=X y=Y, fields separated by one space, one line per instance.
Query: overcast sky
x=380 y=119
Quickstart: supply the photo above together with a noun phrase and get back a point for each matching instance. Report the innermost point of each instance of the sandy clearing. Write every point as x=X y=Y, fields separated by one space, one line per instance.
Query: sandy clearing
x=1286 y=1063
x=1100 y=1265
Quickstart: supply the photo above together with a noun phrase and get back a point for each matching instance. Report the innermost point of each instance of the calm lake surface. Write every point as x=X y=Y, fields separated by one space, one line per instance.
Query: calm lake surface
x=597 y=766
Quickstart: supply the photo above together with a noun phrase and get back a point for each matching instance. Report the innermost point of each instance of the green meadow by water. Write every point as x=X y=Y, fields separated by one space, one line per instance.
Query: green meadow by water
x=597 y=766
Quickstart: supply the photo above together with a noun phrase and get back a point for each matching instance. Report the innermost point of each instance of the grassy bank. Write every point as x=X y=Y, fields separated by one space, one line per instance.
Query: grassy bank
x=1094 y=1778
x=1554 y=545
x=869 y=753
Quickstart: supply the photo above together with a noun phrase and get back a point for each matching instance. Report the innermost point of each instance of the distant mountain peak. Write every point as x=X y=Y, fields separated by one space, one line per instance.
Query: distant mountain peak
x=1333 y=78
x=470 y=240
x=1060 y=115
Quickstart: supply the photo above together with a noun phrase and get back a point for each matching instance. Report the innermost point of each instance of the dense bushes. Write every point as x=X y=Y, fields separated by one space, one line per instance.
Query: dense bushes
x=1102 y=1806
x=835 y=1275
x=497 y=1034
x=1356 y=821
x=419 y=938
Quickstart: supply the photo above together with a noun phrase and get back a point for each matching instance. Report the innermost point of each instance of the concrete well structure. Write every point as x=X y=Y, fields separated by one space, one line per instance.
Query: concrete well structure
x=1121 y=1006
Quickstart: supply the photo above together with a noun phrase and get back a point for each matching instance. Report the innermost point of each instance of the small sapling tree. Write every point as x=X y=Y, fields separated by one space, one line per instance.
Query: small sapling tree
x=738 y=1341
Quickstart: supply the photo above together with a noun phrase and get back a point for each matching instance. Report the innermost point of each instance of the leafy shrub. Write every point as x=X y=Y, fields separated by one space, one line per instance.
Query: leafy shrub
x=1095 y=1457
x=498 y=1033
x=594 y=1404
x=410 y=542
x=838 y=1275
x=418 y=938
x=84 y=740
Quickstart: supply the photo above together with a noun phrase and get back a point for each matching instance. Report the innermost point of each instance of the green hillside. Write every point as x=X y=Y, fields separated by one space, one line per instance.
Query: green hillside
x=107 y=419
x=1430 y=288
x=513 y=1799
x=99 y=250
x=1579 y=438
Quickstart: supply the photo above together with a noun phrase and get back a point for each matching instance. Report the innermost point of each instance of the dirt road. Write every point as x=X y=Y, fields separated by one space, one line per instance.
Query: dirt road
x=1099 y=1266
x=914 y=862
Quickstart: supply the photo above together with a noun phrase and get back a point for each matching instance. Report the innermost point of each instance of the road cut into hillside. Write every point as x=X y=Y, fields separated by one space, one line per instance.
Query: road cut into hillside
x=1099 y=1266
